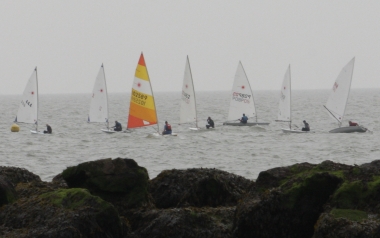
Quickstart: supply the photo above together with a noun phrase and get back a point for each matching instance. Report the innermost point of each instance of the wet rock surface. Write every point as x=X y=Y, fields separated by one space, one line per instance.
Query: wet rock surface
x=115 y=198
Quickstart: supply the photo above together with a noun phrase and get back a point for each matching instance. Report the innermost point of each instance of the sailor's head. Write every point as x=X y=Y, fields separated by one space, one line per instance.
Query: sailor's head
x=304 y=121
x=243 y=114
x=166 y=122
x=47 y=124
x=209 y=117
x=115 y=121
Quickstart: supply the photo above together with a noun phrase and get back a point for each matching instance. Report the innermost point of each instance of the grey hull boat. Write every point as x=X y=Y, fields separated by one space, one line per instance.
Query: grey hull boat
x=349 y=129
x=245 y=124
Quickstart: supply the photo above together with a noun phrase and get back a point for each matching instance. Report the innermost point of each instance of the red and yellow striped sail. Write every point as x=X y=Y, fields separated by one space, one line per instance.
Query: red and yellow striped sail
x=142 y=110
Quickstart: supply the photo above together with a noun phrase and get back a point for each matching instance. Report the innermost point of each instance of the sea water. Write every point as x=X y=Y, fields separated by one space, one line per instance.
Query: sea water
x=245 y=151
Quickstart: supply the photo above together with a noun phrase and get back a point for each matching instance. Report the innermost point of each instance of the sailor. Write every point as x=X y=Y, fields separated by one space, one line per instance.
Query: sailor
x=244 y=119
x=210 y=123
x=307 y=127
x=167 y=129
x=48 y=129
x=117 y=126
x=352 y=123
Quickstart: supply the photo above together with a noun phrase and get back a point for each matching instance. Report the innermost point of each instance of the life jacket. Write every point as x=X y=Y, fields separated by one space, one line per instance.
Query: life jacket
x=168 y=127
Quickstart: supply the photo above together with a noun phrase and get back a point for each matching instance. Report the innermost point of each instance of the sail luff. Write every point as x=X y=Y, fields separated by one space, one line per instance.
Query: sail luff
x=105 y=87
x=195 y=100
x=290 y=98
x=38 y=102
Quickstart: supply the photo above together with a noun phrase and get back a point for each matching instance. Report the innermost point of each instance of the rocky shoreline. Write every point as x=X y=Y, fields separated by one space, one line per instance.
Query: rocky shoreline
x=116 y=198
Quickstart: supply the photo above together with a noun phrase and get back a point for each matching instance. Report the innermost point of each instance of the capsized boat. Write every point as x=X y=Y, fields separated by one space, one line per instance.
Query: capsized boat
x=336 y=103
x=241 y=101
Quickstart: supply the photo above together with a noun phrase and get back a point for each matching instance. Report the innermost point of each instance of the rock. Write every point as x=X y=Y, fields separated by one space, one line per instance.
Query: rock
x=329 y=226
x=120 y=181
x=61 y=213
x=7 y=191
x=289 y=211
x=18 y=175
x=183 y=222
x=197 y=187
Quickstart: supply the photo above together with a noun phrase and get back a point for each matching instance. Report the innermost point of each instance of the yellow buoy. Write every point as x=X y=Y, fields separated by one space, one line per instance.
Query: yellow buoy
x=15 y=128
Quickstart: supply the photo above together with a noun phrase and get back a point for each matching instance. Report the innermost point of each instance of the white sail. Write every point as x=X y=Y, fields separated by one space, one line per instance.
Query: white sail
x=99 y=101
x=28 y=109
x=188 y=111
x=241 y=96
x=284 y=107
x=336 y=104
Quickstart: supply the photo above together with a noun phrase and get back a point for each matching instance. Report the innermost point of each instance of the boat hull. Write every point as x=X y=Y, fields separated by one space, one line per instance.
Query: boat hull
x=108 y=131
x=294 y=131
x=37 y=132
x=348 y=129
x=246 y=124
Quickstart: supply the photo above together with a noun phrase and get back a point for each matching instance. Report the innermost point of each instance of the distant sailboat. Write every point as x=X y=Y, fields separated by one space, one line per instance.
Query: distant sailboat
x=188 y=111
x=28 y=109
x=99 y=101
x=242 y=101
x=142 y=109
x=285 y=104
x=336 y=104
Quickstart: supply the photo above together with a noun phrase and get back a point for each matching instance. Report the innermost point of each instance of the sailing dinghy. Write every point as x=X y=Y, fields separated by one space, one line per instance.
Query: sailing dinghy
x=188 y=111
x=285 y=105
x=142 y=109
x=336 y=104
x=28 y=109
x=242 y=101
x=99 y=102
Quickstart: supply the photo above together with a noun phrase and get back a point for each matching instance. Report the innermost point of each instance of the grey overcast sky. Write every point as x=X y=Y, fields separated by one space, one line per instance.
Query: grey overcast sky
x=69 y=40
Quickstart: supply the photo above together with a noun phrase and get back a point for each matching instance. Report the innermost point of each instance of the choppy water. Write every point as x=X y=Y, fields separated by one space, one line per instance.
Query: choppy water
x=240 y=150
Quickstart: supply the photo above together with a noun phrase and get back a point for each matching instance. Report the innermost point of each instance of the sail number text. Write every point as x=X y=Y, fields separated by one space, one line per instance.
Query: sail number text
x=139 y=98
x=241 y=97
x=26 y=103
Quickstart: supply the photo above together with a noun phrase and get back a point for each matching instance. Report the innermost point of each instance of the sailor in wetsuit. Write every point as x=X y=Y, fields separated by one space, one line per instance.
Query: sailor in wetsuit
x=307 y=127
x=48 y=129
x=244 y=119
x=210 y=123
x=117 y=126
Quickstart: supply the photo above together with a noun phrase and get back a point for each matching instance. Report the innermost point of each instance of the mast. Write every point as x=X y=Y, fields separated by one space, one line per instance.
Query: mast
x=290 y=97
x=349 y=88
x=195 y=101
x=37 y=98
x=105 y=84
x=250 y=89
x=154 y=102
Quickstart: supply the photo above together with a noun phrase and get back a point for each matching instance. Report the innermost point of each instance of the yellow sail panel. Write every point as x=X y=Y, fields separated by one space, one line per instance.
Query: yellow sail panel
x=141 y=72
x=145 y=114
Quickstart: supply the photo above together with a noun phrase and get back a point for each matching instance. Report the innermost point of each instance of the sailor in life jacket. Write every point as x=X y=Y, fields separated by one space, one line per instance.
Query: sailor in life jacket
x=167 y=129
x=352 y=123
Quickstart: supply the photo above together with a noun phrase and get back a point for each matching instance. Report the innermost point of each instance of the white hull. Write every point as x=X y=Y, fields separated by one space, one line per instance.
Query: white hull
x=349 y=129
x=294 y=131
x=194 y=129
x=108 y=131
x=38 y=132
x=245 y=124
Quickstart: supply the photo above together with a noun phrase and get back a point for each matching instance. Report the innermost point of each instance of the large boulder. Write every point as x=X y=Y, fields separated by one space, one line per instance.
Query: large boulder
x=61 y=213
x=344 y=223
x=288 y=211
x=120 y=181
x=183 y=222
x=198 y=187
x=18 y=175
